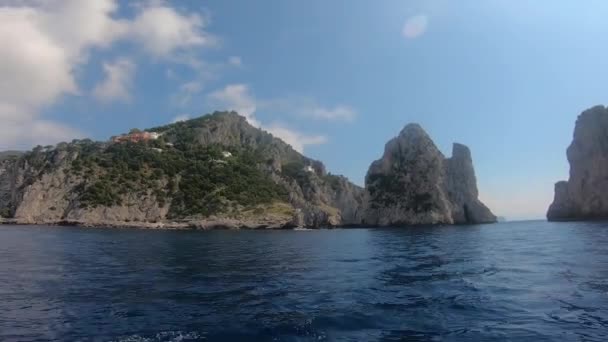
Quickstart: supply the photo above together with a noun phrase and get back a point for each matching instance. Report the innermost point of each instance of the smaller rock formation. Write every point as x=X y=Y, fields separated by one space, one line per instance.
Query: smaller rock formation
x=462 y=188
x=413 y=183
x=585 y=195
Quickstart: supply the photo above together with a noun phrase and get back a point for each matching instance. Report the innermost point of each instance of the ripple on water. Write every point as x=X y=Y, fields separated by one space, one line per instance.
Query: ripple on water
x=532 y=281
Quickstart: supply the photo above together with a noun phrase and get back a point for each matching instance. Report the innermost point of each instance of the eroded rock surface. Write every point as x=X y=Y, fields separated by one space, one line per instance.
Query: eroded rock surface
x=585 y=195
x=413 y=183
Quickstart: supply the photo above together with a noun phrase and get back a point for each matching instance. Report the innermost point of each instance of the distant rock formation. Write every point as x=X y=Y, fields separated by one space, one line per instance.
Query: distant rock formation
x=413 y=183
x=585 y=195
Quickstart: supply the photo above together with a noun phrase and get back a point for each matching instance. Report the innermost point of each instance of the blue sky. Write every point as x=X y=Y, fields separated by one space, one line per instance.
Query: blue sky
x=337 y=79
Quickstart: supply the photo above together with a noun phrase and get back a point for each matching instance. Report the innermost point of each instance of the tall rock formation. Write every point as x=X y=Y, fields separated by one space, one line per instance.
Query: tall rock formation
x=413 y=183
x=585 y=195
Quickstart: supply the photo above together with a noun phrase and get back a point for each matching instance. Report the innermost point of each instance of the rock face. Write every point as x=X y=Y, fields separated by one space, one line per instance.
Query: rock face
x=80 y=182
x=413 y=183
x=585 y=195
x=462 y=188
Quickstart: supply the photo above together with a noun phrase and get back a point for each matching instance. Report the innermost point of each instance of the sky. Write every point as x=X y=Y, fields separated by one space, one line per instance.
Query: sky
x=335 y=79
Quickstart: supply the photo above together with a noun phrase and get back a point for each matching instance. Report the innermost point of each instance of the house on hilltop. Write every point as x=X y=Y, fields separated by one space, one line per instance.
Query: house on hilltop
x=136 y=137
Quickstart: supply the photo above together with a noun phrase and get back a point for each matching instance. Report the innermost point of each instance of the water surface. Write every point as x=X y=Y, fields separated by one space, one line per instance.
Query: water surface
x=529 y=281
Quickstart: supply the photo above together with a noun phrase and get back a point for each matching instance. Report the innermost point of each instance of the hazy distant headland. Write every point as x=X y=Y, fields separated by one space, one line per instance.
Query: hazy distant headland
x=218 y=171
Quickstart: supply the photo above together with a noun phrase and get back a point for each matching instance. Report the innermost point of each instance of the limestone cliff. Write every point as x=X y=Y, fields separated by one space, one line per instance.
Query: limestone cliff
x=585 y=195
x=462 y=190
x=413 y=183
x=216 y=170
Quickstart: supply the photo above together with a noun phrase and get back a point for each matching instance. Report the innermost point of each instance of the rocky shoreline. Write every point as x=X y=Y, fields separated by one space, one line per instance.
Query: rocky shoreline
x=223 y=224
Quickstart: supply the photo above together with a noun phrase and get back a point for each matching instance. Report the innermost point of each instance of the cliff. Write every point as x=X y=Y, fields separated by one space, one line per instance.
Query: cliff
x=413 y=183
x=219 y=171
x=585 y=195
x=214 y=171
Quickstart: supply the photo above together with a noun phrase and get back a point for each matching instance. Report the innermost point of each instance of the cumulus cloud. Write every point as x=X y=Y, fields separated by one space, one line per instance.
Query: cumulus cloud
x=238 y=97
x=117 y=83
x=45 y=43
x=162 y=30
x=415 y=26
x=39 y=56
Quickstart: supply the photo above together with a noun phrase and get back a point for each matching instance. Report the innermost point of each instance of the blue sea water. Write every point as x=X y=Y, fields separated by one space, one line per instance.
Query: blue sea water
x=526 y=281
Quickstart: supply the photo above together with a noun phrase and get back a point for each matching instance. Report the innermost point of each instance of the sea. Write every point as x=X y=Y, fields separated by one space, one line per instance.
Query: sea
x=513 y=281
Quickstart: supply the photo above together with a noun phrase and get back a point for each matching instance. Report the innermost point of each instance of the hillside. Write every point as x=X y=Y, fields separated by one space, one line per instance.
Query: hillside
x=209 y=171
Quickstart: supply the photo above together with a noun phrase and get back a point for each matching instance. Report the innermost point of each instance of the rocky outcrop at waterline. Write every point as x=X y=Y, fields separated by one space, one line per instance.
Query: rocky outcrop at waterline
x=413 y=183
x=585 y=195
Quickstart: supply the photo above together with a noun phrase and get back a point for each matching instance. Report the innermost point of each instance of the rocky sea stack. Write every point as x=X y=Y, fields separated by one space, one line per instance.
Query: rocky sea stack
x=413 y=183
x=585 y=195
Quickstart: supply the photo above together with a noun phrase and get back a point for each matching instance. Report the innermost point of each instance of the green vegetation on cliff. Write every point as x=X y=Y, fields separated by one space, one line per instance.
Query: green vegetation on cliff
x=199 y=180
x=5 y=213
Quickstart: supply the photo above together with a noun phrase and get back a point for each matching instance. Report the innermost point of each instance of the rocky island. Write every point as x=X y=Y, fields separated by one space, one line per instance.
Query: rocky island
x=585 y=195
x=413 y=183
x=218 y=171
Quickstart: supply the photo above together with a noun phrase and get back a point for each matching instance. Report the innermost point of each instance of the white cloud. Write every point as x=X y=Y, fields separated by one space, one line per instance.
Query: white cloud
x=162 y=30
x=117 y=83
x=309 y=108
x=237 y=97
x=42 y=47
x=235 y=61
x=339 y=113
x=297 y=140
x=181 y=117
x=45 y=44
x=415 y=26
